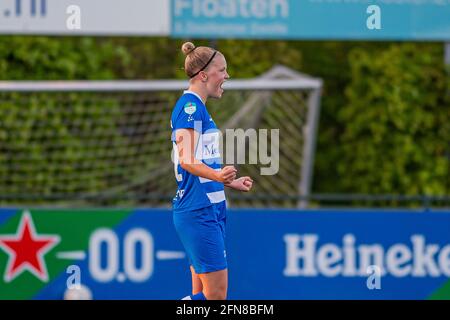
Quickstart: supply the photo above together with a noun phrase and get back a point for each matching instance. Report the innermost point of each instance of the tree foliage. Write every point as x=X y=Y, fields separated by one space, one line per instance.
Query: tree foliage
x=385 y=115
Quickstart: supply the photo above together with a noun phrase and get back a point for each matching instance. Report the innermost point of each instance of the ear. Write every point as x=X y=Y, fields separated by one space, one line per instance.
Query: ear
x=203 y=76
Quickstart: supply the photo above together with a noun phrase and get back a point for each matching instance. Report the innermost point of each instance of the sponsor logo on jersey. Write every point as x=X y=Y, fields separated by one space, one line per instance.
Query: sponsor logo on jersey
x=190 y=108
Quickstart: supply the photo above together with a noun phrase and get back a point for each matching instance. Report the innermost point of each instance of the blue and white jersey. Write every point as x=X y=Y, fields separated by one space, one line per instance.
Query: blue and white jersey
x=196 y=192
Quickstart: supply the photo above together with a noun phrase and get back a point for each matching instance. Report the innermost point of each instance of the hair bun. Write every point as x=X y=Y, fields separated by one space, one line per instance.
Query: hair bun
x=187 y=48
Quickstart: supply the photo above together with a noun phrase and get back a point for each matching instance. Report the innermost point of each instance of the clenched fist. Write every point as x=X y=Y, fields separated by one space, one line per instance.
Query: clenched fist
x=227 y=174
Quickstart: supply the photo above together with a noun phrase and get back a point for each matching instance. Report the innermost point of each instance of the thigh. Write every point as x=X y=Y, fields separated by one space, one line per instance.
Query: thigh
x=202 y=237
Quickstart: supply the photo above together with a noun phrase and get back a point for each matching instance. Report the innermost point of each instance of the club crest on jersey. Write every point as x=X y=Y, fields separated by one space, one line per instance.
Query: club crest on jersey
x=190 y=108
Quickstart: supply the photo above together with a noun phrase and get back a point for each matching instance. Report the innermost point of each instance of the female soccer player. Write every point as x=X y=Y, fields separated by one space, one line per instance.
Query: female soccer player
x=199 y=207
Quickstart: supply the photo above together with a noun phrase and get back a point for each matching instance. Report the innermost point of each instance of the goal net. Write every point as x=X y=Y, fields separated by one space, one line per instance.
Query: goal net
x=107 y=143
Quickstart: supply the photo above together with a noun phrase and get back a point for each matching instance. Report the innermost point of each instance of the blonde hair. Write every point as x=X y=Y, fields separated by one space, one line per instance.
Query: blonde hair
x=197 y=58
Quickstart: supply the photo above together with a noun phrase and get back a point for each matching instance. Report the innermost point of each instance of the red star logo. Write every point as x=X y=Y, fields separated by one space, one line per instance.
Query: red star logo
x=26 y=250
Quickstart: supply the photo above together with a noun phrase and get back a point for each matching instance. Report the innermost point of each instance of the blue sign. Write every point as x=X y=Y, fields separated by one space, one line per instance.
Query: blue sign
x=312 y=19
x=272 y=254
x=327 y=254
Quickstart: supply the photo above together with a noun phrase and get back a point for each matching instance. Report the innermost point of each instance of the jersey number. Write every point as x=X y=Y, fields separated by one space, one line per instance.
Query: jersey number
x=176 y=161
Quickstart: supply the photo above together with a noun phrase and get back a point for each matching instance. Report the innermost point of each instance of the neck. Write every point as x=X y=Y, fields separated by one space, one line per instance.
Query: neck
x=200 y=90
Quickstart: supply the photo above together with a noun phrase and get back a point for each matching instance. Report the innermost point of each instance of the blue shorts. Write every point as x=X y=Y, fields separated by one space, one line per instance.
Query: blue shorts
x=202 y=233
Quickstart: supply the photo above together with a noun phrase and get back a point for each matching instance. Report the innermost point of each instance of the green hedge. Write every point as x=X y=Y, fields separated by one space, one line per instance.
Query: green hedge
x=385 y=113
x=397 y=122
x=34 y=131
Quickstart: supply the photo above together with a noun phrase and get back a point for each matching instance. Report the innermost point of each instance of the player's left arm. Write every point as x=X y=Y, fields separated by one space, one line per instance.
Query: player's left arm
x=242 y=184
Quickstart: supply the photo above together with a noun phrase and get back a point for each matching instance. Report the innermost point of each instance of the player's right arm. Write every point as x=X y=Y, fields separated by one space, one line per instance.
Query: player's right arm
x=186 y=140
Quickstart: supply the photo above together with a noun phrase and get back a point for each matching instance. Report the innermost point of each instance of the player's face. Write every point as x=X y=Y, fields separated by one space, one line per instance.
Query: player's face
x=217 y=75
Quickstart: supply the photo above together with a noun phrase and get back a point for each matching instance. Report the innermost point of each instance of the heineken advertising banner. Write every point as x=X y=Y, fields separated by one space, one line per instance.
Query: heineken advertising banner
x=272 y=254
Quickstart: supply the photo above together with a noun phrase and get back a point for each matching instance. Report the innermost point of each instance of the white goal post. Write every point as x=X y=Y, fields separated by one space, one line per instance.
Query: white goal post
x=91 y=143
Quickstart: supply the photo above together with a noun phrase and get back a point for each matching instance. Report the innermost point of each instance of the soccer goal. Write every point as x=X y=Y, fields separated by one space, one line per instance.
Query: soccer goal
x=107 y=143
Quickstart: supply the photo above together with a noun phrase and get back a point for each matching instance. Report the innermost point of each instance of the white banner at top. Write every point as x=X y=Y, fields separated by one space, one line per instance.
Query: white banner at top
x=95 y=17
